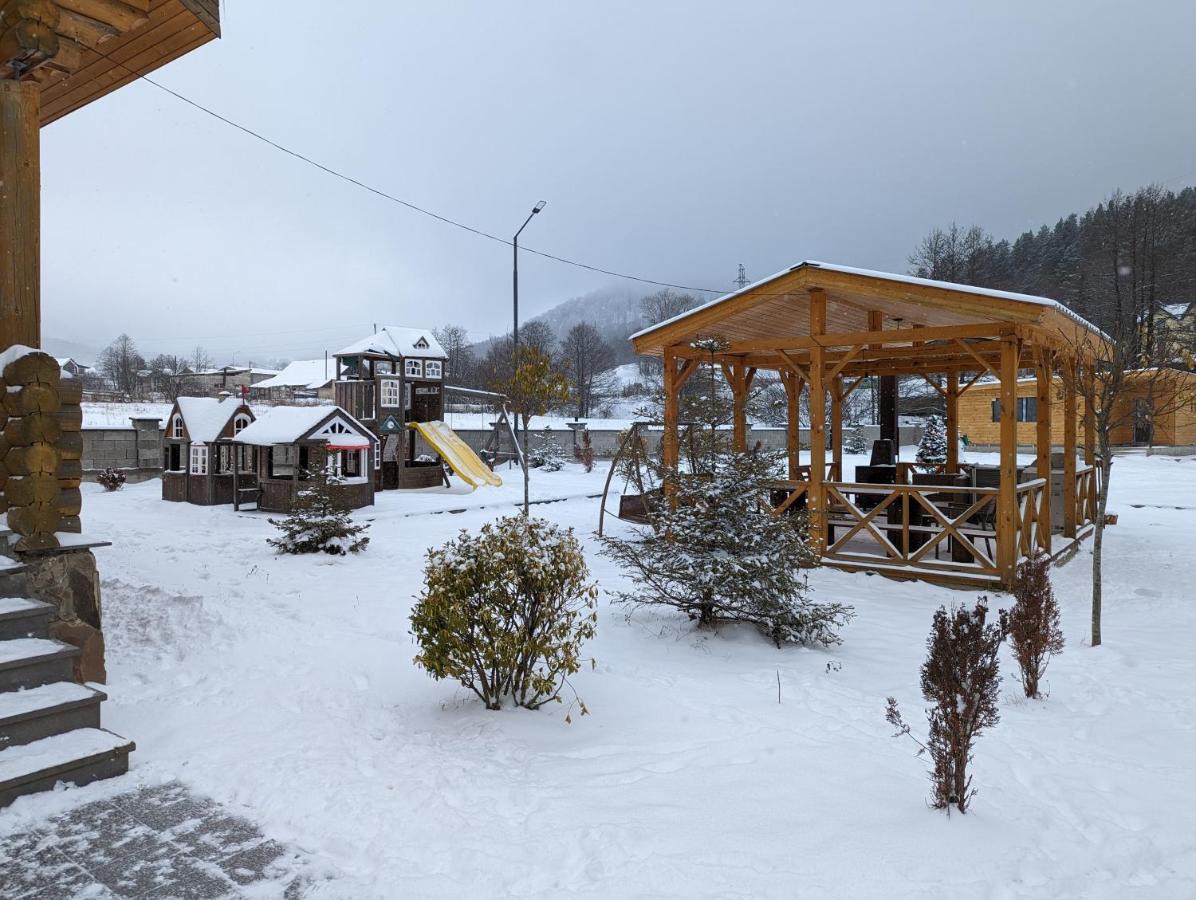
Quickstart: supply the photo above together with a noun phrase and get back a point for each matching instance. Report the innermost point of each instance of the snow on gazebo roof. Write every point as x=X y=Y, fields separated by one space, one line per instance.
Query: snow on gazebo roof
x=395 y=340
x=206 y=417
x=291 y=424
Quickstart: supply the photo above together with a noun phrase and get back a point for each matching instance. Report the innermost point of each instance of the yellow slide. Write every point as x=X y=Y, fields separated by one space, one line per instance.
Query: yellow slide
x=458 y=454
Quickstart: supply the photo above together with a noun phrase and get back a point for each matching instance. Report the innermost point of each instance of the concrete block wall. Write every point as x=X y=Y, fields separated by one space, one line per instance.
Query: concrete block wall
x=136 y=451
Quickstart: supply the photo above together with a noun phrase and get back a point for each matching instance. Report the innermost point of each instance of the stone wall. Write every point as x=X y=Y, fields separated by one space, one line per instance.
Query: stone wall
x=136 y=451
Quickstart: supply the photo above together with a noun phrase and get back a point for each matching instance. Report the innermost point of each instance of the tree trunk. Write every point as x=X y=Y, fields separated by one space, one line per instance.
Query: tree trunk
x=1098 y=540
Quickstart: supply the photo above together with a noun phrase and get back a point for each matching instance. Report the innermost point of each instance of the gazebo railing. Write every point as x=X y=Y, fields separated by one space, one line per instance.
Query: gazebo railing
x=910 y=529
x=1085 y=496
x=1033 y=520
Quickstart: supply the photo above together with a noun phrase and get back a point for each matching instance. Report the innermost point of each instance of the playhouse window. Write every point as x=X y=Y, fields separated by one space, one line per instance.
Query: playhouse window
x=433 y=368
x=390 y=392
x=176 y=428
x=199 y=460
x=174 y=458
x=282 y=461
x=240 y=423
x=383 y=367
x=407 y=397
x=414 y=368
x=377 y=454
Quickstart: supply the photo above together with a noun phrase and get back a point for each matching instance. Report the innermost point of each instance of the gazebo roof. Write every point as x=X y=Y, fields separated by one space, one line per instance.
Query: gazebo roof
x=778 y=308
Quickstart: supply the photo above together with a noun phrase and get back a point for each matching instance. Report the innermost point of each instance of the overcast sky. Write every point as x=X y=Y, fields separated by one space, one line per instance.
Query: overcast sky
x=671 y=140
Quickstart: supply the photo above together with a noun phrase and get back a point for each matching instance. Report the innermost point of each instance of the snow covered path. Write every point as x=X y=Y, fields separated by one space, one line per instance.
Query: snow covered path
x=284 y=688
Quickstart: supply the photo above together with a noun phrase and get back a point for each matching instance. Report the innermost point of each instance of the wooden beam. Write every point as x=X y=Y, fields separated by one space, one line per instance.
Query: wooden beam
x=876 y=337
x=669 y=449
x=20 y=214
x=114 y=13
x=1043 y=370
x=1068 y=370
x=84 y=30
x=951 y=395
x=688 y=368
x=817 y=491
x=1007 y=538
x=792 y=384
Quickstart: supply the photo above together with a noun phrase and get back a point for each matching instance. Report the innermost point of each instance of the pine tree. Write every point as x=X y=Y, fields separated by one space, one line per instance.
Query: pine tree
x=716 y=553
x=317 y=524
x=549 y=456
x=853 y=442
x=932 y=450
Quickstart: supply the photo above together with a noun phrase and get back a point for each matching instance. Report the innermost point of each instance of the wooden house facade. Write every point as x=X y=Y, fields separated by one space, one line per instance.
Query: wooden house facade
x=199 y=456
x=289 y=445
x=387 y=380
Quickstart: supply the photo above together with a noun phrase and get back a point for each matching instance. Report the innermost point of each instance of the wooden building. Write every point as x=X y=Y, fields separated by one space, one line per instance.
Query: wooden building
x=199 y=455
x=393 y=377
x=823 y=328
x=301 y=379
x=1168 y=420
x=288 y=443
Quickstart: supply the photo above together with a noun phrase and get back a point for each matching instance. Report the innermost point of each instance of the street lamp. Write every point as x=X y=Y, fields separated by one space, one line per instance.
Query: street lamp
x=515 y=271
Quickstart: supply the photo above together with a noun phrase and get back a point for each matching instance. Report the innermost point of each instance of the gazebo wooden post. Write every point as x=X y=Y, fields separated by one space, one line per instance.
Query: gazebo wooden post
x=1067 y=369
x=952 y=398
x=1007 y=536
x=837 y=427
x=792 y=385
x=669 y=438
x=1043 y=371
x=20 y=213
x=1090 y=428
x=738 y=379
x=817 y=501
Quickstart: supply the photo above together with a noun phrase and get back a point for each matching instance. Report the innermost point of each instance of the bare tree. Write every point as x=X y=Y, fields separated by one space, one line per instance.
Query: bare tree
x=120 y=362
x=165 y=374
x=459 y=364
x=200 y=360
x=1120 y=393
x=586 y=362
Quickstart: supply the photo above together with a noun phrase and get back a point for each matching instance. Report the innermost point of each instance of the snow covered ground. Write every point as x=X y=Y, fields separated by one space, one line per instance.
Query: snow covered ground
x=284 y=688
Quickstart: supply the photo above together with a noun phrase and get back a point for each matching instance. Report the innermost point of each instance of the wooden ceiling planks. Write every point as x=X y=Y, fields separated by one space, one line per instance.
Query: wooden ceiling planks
x=105 y=44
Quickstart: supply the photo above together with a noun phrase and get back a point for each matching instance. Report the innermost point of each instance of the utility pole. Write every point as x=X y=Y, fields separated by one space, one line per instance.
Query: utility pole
x=515 y=334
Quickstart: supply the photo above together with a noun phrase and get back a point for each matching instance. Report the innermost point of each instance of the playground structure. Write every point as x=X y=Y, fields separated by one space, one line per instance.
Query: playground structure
x=633 y=460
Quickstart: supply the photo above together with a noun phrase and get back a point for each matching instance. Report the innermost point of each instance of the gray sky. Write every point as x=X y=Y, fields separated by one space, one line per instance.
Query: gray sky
x=672 y=140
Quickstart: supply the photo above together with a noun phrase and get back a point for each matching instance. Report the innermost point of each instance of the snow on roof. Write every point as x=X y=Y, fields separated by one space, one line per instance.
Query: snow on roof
x=1176 y=310
x=395 y=340
x=310 y=374
x=887 y=276
x=287 y=424
x=206 y=417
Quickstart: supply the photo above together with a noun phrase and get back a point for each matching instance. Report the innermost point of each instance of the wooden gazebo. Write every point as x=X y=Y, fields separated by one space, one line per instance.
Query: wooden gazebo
x=823 y=328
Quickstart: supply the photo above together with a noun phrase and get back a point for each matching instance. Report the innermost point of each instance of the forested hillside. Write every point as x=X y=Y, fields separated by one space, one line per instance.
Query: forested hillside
x=1118 y=262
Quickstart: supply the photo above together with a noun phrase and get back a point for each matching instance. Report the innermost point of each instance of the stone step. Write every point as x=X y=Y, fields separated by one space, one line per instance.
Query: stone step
x=41 y=712
x=30 y=662
x=21 y=617
x=13 y=578
x=76 y=757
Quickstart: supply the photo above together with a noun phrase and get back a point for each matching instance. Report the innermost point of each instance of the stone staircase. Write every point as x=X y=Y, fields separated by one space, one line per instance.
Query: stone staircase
x=49 y=724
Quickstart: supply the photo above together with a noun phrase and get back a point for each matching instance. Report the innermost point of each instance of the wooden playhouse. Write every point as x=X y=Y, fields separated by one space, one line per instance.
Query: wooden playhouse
x=199 y=456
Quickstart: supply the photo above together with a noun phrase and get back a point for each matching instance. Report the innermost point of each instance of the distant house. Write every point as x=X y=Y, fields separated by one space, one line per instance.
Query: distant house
x=1175 y=332
x=73 y=367
x=198 y=454
x=289 y=442
x=304 y=378
x=234 y=379
x=1175 y=426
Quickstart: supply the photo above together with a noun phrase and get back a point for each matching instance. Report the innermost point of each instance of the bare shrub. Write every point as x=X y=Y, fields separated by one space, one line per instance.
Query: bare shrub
x=1034 y=628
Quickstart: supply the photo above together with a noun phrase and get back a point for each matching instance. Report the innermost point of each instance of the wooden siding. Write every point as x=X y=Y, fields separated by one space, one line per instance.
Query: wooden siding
x=277 y=494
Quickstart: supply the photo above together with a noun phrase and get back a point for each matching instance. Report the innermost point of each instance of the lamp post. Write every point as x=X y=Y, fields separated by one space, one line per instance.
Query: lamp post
x=515 y=337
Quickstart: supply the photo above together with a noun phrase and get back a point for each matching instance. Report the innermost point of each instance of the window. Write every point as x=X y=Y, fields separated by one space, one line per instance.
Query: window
x=422 y=343
x=414 y=368
x=174 y=458
x=377 y=454
x=240 y=423
x=1027 y=409
x=199 y=460
x=176 y=428
x=384 y=367
x=407 y=397
x=282 y=461
x=433 y=368
x=390 y=392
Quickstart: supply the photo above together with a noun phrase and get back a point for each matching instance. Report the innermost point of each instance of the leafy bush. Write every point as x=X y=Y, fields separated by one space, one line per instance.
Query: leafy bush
x=1034 y=628
x=111 y=479
x=505 y=611
x=960 y=679
x=717 y=553
x=317 y=524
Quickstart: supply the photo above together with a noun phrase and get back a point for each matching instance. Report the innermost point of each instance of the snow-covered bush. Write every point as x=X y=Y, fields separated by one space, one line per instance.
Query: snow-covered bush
x=960 y=679
x=111 y=479
x=932 y=449
x=1034 y=629
x=719 y=555
x=317 y=524
x=853 y=442
x=505 y=611
x=548 y=456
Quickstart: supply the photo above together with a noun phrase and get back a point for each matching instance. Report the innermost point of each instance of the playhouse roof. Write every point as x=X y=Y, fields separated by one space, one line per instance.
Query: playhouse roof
x=309 y=374
x=291 y=424
x=397 y=341
x=206 y=417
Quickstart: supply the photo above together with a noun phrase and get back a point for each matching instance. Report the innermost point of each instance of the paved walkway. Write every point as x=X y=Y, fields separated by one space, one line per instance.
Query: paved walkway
x=153 y=843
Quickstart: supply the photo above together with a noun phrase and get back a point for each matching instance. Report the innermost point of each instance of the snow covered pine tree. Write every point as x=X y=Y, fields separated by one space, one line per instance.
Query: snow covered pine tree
x=549 y=456
x=719 y=555
x=854 y=442
x=317 y=525
x=932 y=450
